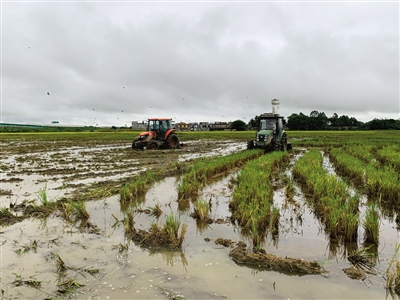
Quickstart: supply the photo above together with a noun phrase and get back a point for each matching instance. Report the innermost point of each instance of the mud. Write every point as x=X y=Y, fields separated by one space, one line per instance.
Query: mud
x=272 y=262
x=99 y=257
x=76 y=168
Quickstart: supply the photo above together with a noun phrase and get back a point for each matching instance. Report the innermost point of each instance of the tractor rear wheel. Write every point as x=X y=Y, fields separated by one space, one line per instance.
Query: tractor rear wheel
x=250 y=145
x=153 y=145
x=284 y=142
x=173 y=141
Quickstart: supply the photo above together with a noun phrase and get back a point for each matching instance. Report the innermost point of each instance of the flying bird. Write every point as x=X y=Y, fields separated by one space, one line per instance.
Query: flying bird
x=48 y=93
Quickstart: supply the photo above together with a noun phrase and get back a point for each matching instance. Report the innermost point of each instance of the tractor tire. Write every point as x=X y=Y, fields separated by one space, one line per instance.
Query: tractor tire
x=276 y=145
x=250 y=145
x=134 y=145
x=173 y=141
x=153 y=145
x=284 y=145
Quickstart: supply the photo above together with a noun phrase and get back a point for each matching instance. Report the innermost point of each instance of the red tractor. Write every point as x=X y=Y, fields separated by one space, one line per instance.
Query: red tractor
x=159 y=134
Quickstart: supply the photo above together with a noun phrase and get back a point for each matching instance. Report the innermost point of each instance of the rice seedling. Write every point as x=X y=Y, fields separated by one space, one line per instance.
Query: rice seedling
x=205 y=169
x=44 y=200
x=61 y=266
x=171 y=228
x=331 y=198
x=252 y=196
x=289 y=190
x=202 y=209
x=129 y=222
x=371 y=224
x=30 y=282
x=75 y=210
x=139 y=186
x=274 y=220
x=392 y=273
x=155 y=211
x=26 y=248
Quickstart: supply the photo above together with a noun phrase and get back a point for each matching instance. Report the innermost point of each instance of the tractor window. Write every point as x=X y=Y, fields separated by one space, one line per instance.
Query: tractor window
x=164 y=125
x=267 y=124
x=153 y=125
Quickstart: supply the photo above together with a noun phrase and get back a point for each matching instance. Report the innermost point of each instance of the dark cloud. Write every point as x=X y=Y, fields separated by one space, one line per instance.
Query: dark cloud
x=131 y=61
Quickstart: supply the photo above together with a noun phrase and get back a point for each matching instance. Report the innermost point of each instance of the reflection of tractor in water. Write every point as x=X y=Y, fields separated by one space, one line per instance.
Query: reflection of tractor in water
x=270 y=134
x=159 y=134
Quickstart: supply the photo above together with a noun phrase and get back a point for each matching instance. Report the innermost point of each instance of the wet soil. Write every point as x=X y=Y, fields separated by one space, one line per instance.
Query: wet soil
x=272 y=262
x=98 y=258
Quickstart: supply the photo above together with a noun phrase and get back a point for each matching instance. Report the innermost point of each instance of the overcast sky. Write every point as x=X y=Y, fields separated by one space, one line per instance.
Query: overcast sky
x=110 y=62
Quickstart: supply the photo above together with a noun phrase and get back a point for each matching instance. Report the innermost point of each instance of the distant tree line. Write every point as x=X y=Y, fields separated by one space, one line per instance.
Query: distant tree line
x=319 y=121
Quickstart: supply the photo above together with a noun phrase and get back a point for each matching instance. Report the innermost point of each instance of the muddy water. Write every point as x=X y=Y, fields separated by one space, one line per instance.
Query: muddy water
x=203 y=270
x=60 y=170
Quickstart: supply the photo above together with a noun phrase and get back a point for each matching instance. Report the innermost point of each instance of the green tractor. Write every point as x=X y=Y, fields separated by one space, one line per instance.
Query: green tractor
x=270 y=134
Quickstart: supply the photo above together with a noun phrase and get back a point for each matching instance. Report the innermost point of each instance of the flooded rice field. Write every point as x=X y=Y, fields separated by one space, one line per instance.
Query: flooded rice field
x=52 y=258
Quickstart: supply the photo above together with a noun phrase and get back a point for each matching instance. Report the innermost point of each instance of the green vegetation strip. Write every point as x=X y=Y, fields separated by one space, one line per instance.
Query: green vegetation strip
x=378 y=180
x=204 y=169
x=332 y=202
x=252 y=198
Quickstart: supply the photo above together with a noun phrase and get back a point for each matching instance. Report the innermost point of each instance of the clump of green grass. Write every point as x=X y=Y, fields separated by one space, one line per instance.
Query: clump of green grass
x=156 y=211
x=202 y=209
x=171 y=227
x=75 y=210
x=371 y=224
x=44 y=199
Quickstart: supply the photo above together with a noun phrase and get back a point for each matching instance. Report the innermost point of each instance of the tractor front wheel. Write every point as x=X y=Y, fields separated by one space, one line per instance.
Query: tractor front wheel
x=173 y=141
x=250 y=145
x=153 y=145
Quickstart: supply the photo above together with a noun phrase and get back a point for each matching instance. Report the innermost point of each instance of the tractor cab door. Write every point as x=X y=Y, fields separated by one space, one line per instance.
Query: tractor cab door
x=164 y=126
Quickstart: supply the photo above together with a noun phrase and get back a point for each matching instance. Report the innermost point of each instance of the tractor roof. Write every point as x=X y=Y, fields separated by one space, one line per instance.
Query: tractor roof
x=161 y=119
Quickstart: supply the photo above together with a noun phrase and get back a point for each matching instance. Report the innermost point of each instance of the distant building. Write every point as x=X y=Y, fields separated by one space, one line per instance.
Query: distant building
x=194 y=126
x=139 y=126
x=204 y=126
x=221 y=126
x=182 y=126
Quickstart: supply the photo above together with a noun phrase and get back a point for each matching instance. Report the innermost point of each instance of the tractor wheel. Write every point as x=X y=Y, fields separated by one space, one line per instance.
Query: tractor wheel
x=250 y=145
x=133 y=144
x=284 y=142
x=173 y=141
x=277 y=145
x=153 y=145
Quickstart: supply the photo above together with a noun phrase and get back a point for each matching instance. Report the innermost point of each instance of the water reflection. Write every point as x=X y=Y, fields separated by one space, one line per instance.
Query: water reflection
x=171 y=257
